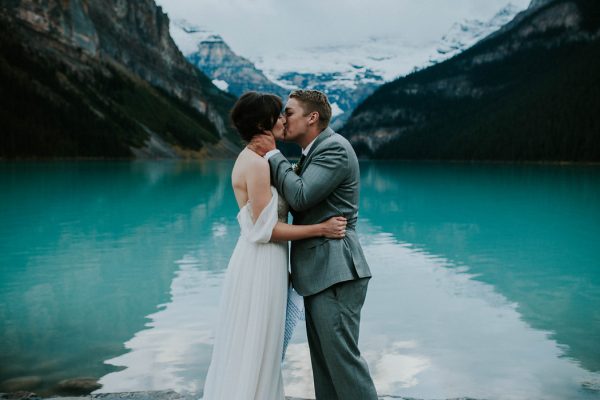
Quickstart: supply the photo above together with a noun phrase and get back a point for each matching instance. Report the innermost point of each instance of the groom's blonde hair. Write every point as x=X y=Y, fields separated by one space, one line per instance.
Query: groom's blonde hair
x=314 y=101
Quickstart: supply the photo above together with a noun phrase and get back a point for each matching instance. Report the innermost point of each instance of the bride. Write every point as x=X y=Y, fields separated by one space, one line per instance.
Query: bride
x=246 y=359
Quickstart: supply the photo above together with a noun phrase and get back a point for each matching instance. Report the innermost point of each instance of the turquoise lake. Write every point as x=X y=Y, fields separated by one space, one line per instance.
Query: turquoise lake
x=486 y=277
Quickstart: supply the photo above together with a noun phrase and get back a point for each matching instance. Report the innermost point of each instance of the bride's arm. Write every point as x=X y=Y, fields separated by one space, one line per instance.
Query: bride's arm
x=333 y=228
x=259 y=194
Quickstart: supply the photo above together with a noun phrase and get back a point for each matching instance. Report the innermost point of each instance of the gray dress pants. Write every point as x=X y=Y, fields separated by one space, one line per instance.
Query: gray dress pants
x=332 y=325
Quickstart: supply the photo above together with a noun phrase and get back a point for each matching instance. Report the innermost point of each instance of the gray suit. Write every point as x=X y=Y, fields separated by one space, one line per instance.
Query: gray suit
x=332 y=274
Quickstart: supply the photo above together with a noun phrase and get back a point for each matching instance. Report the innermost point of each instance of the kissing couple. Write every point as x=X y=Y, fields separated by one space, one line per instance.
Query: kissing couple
x=328 y=267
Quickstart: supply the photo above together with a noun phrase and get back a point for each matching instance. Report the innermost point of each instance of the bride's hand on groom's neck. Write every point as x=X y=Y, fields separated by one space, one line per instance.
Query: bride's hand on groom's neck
x=263 y=143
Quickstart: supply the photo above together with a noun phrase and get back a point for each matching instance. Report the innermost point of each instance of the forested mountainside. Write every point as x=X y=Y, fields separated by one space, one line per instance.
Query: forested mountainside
x=530 y=91
x=103 y=79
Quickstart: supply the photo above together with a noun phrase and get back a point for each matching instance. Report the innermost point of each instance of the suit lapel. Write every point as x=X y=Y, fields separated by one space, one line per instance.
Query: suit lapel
x=327 y=132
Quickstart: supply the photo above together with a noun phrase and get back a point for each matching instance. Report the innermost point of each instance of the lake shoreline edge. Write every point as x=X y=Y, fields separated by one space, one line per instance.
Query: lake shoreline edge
x=155 y=395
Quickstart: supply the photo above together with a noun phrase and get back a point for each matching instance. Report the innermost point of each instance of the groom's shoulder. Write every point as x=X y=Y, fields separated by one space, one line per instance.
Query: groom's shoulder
x=342 y=140
x=335 y=139
x=338 y=142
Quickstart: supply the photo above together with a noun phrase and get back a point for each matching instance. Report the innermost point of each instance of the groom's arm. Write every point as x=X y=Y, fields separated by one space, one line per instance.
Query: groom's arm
x=322 y=175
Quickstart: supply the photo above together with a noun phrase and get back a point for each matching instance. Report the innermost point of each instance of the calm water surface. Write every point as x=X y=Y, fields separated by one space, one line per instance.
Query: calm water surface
x=486 y=277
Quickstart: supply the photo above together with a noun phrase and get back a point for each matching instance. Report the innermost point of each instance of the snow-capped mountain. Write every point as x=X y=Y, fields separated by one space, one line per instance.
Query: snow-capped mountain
x=380 y=59
x=349 y=73
x=346 y=73
x=211 y=54
x=465 y=34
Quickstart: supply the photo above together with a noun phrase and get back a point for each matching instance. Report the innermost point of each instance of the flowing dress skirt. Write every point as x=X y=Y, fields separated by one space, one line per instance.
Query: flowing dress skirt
x=246 y=360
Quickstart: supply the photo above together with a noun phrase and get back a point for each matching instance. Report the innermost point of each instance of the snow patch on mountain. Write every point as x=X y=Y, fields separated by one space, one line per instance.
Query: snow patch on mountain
x=465 y=34
x=221 y=84
x=336 y=111
x=187 y=36
x=384 y=57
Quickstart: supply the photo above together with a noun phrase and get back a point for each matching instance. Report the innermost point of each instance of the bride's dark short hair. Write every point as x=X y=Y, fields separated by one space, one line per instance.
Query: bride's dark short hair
x=255 y=112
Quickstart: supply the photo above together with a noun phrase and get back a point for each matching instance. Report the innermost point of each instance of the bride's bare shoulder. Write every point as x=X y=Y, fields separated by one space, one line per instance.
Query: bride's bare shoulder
x=250 y=159
x=249 y=163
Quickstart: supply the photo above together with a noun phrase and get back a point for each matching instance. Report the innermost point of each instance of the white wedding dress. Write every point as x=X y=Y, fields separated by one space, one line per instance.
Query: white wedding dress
x=246 y=359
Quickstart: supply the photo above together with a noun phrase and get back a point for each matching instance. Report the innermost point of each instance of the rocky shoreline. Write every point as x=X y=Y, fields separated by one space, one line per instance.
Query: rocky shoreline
x=150 y=395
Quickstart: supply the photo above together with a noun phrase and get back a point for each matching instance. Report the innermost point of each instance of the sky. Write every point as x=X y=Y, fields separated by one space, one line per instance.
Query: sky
x=254 y=28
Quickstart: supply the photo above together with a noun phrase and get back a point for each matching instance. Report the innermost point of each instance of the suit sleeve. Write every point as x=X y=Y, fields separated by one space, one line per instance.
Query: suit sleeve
x=322 y=175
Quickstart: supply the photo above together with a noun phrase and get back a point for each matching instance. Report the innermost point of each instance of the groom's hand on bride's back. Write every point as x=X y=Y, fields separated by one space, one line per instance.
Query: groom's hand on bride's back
x=262 y=144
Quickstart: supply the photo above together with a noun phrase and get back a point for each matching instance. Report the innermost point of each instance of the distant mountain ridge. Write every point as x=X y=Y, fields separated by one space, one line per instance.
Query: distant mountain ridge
x=348 y=74
x=530 y=91
x=103 y=79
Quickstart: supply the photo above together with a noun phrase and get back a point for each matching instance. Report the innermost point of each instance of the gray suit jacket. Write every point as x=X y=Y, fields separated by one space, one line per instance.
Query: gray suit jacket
x=327 y=186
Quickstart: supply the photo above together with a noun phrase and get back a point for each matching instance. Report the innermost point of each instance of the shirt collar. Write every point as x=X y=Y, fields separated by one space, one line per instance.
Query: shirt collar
x=307 y=149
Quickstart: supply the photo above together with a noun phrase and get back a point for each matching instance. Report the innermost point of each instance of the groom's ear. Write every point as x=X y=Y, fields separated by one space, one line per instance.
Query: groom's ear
x=313 y=118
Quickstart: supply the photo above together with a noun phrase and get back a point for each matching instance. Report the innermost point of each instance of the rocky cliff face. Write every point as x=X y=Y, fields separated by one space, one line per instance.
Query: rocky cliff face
x=66 y=22
x=93 y=38
x=514 y=95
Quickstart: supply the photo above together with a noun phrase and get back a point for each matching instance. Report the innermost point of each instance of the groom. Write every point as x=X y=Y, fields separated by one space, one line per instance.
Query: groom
x=332 y=275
